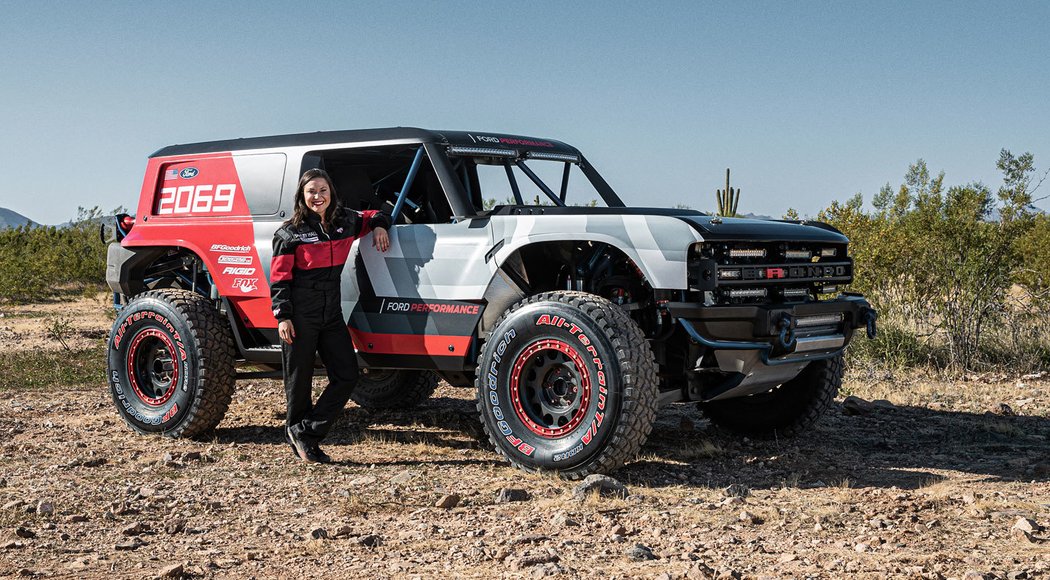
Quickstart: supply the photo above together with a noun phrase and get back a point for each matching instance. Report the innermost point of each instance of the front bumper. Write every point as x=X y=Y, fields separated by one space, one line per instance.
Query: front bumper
x=782 y=334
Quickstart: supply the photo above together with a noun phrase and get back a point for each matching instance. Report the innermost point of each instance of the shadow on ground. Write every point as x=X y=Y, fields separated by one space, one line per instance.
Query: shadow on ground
x=901 y=447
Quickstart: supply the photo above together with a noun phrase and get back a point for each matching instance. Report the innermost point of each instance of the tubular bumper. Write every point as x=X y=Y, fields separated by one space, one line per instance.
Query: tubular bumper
x=774 y=331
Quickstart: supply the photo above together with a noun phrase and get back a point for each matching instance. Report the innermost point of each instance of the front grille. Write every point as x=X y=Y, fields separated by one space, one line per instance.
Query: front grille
x=768 y=272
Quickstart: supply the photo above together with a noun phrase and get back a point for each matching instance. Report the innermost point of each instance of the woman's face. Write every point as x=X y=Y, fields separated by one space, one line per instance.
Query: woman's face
x=317 y=195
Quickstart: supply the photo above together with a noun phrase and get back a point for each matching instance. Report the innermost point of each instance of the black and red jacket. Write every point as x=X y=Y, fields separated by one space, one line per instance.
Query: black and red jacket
x=311 y=255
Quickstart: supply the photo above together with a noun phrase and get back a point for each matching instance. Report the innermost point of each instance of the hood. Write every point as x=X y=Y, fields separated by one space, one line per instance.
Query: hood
x=710 y=227
x=745 y=229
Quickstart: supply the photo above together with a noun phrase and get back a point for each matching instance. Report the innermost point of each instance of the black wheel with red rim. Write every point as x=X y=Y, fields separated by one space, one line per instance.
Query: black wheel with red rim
x=171 y=363
x=567 y=382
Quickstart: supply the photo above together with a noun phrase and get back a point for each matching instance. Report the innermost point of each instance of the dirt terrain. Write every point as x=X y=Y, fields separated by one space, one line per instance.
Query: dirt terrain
x=910 y=478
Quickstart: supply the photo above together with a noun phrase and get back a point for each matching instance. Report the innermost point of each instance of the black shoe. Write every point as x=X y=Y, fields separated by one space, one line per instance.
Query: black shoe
x=321 y=456
x=301 y=449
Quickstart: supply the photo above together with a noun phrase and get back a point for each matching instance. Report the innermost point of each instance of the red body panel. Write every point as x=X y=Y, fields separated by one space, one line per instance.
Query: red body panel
x=198 y=203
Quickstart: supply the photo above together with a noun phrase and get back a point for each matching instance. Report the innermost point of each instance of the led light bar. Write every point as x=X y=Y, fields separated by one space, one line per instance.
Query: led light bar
x=482 y=151
x=796 y=293
x=829 y=289
x=554 y=156
x=828 y=252
x=747 y=253
x=729 y=274
x=820 y=320
x=747 y=293
x=798 y=254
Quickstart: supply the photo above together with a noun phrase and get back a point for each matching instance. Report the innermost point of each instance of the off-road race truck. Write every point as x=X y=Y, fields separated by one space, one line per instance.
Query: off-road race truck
x=573 y=316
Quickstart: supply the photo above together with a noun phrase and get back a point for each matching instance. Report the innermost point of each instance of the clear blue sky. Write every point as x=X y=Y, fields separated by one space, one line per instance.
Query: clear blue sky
x=806 y=102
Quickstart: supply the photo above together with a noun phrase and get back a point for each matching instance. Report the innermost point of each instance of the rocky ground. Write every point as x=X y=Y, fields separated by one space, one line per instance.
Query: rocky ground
x=910 y=477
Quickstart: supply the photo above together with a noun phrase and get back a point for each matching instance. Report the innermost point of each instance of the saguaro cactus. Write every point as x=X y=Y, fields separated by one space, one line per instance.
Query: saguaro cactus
x=728 y=199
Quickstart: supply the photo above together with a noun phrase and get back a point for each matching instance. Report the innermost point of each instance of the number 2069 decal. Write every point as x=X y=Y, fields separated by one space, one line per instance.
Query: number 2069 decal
x=196 y=199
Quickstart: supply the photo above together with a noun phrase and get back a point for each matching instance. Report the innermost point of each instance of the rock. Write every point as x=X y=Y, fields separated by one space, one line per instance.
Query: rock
x=508 y=495
x=94 y=462
x=363 y=481
x=530 y=539
x=1004 y=410
x=968 y=498
x=602 y=484
x=619 y=531
x=370 y=541
x=26 y=533
x=448 y=501
x=736 y=490
x=173 y=571
x=857 y=406
x=1027 y=525
x=1022 y=535
x=861 y=547
x=343 y=531
x=883 y=405
x=403 y=478
x=78 y=518
x=11 y=545
x=175 y=526
x=319 y=534
x=45 y=507
x=749 y=518
x=562 y=520
x=785 y=558
x=132 y=544
x=192 y=456
x=518 y=564
x=973 y=575
x=135 y=529
x=1017 y=575
x=640 y=553
x=13 y=504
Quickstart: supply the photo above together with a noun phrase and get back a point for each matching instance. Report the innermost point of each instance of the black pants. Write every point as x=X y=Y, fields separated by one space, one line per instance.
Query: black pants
x=319 y=328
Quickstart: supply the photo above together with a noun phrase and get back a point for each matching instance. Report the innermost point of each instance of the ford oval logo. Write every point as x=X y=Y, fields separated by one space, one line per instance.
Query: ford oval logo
x=189 y=173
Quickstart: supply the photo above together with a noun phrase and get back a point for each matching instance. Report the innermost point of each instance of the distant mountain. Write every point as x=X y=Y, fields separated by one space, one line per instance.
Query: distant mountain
x=11 y=219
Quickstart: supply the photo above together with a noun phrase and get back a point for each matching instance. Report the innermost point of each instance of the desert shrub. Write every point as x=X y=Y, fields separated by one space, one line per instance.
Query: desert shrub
x=955 y=272
x=43 y=262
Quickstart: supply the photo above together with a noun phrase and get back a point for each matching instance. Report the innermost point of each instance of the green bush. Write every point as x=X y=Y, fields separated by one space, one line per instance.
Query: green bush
x=44 y=262
x=959 y=275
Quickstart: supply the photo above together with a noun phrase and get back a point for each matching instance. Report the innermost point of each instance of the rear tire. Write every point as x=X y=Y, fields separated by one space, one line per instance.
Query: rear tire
x=171 y=368
x=567 y=382
x=394 y=389
x=787 y=410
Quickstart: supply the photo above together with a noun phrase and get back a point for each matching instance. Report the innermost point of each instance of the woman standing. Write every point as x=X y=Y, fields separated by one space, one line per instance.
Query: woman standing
x=309 y=252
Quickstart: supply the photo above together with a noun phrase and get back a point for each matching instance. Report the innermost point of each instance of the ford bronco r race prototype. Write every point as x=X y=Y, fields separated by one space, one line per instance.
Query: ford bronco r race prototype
x=574 y=323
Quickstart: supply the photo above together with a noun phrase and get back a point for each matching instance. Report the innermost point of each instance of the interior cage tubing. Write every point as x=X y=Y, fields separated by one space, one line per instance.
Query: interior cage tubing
x=408 y=184
x=539 y=183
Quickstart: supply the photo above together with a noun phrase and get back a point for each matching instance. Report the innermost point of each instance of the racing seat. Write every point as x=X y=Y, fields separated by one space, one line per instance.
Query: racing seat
x=355 y=188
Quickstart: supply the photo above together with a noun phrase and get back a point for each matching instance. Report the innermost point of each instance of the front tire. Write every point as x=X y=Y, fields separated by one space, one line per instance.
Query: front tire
x=567 y=382
x=786 y=411
x=171 y=368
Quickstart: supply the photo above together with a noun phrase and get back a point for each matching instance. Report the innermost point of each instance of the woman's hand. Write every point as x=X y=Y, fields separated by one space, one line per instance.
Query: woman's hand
x=380 y=239
x=286 y=331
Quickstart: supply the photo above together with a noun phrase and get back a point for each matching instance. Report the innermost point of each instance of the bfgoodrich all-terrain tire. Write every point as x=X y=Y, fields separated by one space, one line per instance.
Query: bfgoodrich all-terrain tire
x=171 y=363
x=786 y=411
x=394 y=389
x=567 y=383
